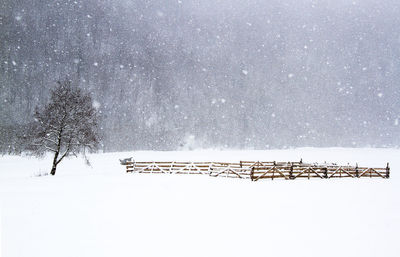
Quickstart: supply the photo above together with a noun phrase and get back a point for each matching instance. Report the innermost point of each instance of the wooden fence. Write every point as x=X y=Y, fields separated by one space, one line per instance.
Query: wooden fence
x=258 y=170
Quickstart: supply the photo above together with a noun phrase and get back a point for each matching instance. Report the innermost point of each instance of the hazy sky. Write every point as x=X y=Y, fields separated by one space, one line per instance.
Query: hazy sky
x=247 y=74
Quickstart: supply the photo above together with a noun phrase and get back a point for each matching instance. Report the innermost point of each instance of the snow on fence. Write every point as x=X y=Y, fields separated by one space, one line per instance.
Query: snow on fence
x=257 y=170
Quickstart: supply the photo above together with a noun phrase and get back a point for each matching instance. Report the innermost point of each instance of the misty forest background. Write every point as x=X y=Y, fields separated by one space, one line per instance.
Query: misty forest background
x=174 y=74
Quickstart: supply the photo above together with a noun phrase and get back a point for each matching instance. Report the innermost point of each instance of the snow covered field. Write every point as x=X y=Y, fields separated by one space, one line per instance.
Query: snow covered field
x=102 y=211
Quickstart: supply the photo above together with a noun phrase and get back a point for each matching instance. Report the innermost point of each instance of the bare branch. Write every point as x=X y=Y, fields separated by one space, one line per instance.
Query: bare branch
x=50 y=140
x=50 y=149
x=63 y=155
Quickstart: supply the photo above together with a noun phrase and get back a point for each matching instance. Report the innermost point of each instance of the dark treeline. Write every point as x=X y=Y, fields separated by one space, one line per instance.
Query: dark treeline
x=167 y=74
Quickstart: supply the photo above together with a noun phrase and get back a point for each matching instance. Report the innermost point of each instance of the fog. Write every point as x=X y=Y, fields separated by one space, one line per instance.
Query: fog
x=185 y=74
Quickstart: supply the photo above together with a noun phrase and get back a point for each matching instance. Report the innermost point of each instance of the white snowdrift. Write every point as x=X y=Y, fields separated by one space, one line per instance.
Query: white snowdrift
x=102 y=211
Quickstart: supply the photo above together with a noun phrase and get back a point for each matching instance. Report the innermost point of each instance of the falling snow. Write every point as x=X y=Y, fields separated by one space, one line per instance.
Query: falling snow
x=268 y=68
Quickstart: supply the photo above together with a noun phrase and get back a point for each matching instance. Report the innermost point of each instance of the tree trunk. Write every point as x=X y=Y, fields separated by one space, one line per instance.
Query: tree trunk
x=54 y=167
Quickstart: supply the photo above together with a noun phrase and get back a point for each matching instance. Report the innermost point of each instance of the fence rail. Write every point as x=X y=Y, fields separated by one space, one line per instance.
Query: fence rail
x=258 y=170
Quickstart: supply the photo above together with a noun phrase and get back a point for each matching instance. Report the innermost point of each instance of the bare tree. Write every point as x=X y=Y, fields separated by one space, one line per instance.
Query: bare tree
x=67 y=125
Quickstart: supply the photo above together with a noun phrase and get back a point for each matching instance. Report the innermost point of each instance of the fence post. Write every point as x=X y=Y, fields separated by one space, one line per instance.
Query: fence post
x=357 y=175
x=273 y=171
x=252 y=173
x=387 y=170
x=325 y=172
x=291 y=171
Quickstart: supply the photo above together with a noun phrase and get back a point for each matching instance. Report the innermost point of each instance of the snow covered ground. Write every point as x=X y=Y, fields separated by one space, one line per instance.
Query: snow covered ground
x=102 y=211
